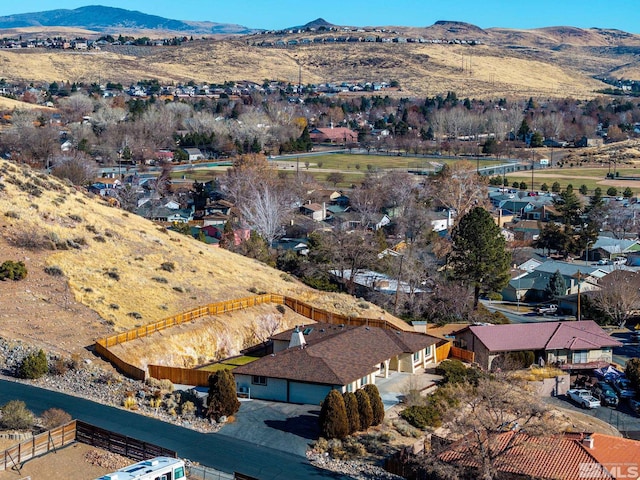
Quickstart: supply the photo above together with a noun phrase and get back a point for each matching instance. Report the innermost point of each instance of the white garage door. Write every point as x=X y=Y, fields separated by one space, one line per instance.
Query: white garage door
x=307 y=393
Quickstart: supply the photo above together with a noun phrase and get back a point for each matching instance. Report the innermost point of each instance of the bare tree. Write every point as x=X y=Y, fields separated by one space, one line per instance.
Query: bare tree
x=265 y=210
x=618 y=296
x=78 y=168
x=76 y=107
x=266 y=326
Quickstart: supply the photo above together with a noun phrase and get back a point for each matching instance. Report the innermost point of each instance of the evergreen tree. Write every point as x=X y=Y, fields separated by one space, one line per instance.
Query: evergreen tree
x=555 y=187
x=353 y=415
x=222 y=399
x=333 y=416
x=377 y=406
x=364 y=409
x=557 y=287
x=569 y=206
x=478 y=254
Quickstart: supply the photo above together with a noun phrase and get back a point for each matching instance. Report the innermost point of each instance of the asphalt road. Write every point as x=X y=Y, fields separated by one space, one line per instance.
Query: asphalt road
x=621 y=417
x=220 y=452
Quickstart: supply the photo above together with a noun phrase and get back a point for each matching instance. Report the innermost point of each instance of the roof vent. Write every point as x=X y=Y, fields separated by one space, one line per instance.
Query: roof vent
x=588 y=441
x=367 y=328
x=297 y=339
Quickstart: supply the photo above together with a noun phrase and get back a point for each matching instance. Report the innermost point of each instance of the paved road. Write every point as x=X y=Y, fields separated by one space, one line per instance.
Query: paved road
x=221 y=452
x=621 y=417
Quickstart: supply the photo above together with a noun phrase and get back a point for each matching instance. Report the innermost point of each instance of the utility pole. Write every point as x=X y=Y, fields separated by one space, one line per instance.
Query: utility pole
x=395 y=303
x=578 y=316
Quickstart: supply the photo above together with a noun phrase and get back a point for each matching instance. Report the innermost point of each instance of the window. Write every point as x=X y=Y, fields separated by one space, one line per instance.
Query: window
x=259 y=380
x=363 y=381
x=416 y=357
x=350 y=387
x=178 y=473
x=427 y=351
x=580 y=357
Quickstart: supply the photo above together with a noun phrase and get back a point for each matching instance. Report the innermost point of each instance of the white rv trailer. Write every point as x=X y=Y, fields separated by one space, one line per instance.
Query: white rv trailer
x=159 y=468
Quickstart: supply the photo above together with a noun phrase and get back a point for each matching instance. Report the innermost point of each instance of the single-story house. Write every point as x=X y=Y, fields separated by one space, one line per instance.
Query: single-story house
x=193 y=154
x=307 y=362
x=606 y=248
x=368 y=281
x=570 y=456
x=569 y=344
x=333 y=135
x=314 y=210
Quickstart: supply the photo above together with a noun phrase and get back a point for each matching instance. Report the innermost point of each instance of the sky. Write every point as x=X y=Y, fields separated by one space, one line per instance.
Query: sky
x=265 y=14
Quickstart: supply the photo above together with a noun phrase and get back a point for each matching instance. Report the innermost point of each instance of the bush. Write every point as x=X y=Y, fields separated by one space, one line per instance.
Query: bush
x=54 y=417
x=281 y=309
x=13 y=270
x=377 y=406
x=34 y=365
x=351 y=408
x=222 y=400
x=168 y=266
x=54 y=271
x=422 y=416
x=16 y=416
x=364 y=408
x=333 y=416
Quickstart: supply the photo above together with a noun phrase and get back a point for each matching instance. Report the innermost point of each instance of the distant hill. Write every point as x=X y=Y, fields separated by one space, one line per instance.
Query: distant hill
x=108 y=19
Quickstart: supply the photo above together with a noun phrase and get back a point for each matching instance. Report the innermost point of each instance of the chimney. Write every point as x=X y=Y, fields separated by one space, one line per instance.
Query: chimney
x=297 y=339
x=588 y=441
x=324 y=210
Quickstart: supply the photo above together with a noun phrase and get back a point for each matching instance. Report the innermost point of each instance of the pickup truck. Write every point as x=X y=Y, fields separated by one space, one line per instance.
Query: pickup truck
x=547 y=309
x=583 y=398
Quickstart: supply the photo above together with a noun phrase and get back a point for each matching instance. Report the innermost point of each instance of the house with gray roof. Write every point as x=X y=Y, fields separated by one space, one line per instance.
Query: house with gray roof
x=570 y=345
x=309 y=361
x=606 y=248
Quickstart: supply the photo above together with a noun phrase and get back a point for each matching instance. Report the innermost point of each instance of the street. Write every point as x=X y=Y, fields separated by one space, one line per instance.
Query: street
x=220 y=452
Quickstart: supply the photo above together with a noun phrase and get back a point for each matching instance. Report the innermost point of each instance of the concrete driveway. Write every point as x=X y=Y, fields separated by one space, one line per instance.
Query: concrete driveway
x=283 y=426
x=397 y=385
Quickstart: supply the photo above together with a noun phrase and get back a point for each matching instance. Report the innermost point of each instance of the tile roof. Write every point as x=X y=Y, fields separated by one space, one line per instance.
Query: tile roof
x=615 y=451
x=583 y=335
x=516 y=452
x=337 y=356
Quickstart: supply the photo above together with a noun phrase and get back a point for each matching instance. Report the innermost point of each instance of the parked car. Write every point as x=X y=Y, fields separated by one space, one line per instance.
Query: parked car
x=634 y=405
x=606 y=394
x=547 y=309
x=583 y=398
x=623 y=388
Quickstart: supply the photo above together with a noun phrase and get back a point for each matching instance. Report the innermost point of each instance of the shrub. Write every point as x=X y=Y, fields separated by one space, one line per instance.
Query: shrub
x=113 y=273
x=454 y=371
x=54 y=271
x=34 y=365
x=168 y=266
x=75 y=218
x=16 y=416
x=222 y=400
x=364 y=408
x=351 y=408
x=422 y=416
x=130 y=403
x=281 y=308
x=333 y=416
x=377 y=406
x=54 y=417
x=13 y=270
x=160 y=279
x=187 y=408
x=12 y=214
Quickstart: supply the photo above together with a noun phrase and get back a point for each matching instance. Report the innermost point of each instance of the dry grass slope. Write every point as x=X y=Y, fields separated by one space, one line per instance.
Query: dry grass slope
x=112 y=263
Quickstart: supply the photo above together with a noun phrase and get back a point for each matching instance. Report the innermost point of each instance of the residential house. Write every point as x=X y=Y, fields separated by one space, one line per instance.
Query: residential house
x=194 y=154
x=309 y=361
x=570 y=456
x=314 y=210
x=532 y=286
x=333 y=135
x=571 y=345
x=367 y=282
x=606 y=248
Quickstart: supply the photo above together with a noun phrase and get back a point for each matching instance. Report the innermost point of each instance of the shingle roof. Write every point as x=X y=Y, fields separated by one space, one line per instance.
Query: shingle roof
x=557 y=457
x=583 y=335
x=337 y=356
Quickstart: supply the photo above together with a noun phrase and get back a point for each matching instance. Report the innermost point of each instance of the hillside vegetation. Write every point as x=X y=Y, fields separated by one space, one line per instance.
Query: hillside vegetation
x=94 y=269
x=554 y=62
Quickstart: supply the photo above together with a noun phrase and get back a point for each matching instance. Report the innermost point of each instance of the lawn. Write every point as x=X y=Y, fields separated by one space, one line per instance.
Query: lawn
x=229 y=364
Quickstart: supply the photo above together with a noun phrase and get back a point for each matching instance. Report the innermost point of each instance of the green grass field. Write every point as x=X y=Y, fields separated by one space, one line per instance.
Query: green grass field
x=229 y=364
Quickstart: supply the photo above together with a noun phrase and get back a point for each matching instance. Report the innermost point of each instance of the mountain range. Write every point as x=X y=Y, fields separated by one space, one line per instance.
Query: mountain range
x=109 y=19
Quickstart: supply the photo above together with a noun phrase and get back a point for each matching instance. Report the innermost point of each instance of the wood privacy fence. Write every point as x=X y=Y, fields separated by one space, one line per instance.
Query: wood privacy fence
x=442 y=351
x=181 y=376
x=14 y=457
x=78 y=431
x=307 y=310
x=462 y=354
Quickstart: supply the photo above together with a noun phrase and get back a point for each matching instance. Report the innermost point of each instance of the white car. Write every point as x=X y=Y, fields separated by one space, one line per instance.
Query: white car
x=583 y=398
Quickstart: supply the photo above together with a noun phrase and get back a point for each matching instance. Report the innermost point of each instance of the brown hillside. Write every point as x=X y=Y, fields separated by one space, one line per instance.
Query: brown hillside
x=109 y=266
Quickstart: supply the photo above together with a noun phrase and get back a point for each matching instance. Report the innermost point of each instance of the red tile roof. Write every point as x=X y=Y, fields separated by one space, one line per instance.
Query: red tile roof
x=516 y=452
x=337 y=356
x=621 y=453
x=583 y=335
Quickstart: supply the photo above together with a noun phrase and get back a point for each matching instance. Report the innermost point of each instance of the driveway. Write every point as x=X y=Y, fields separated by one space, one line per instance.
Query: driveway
x=394 y=388
x=282 y=426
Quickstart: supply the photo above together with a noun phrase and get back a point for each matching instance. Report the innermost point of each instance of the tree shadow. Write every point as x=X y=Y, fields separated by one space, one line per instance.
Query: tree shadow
x=303 y=426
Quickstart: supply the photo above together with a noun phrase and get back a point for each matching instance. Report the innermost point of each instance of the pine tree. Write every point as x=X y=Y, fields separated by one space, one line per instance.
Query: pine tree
x=478 y=254
x=333 y=416
x=557 y=286
x=222 y=399
x=364 y=408
x=377 y=406
x=353 y=415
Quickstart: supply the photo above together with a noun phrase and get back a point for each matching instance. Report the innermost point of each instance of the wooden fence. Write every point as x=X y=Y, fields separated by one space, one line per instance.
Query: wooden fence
x=442 y=352
x=120 y=444
x=462 y=354
x=305 y=309
x=181 y=376
x=14 y=457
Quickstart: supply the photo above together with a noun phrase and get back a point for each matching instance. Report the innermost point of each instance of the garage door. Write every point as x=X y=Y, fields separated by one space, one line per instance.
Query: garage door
x=307 y=393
